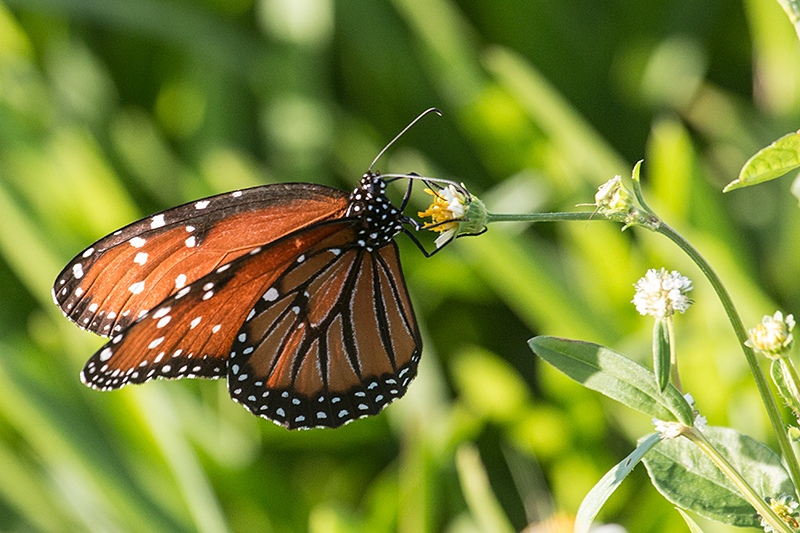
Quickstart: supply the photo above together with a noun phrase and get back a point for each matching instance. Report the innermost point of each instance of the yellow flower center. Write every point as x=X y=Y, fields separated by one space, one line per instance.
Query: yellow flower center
x=445 y=209
x=785 y=512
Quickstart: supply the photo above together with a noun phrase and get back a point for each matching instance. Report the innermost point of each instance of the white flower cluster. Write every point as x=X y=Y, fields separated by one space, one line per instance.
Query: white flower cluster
x=660 y=293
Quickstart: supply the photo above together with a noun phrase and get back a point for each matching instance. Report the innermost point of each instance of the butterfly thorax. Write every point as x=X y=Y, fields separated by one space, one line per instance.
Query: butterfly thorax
x=379 y=220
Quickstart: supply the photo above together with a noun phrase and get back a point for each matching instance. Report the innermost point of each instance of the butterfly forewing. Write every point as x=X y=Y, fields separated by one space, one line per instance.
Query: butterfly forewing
x=189 y=334
x=111 y=283
x=332 y=340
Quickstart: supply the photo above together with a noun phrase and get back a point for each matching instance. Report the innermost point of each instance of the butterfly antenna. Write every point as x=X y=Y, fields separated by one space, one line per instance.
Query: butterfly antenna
x=431 y=110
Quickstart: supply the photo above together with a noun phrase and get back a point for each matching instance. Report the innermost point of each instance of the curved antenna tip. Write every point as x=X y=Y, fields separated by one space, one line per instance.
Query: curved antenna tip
x=429 y=110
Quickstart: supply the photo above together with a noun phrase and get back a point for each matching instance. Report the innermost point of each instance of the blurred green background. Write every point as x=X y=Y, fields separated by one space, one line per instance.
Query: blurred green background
x=113 y=110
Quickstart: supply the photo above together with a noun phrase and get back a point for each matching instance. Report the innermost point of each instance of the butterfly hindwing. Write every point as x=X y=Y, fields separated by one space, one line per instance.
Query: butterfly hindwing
x=332 y=340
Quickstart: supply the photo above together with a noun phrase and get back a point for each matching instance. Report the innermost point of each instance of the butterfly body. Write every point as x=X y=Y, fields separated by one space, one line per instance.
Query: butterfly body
x=294 y=292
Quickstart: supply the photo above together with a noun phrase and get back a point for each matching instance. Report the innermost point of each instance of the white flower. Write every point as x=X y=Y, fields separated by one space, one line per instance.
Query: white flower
x=773 y=336
x=668 y=430
x=446 y=211
x=689 y=399
x=700 y=422
x=661 y=293
x=786 y=509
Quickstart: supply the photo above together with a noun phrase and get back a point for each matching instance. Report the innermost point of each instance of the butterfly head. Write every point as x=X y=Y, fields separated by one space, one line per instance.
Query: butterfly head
x=379 y=220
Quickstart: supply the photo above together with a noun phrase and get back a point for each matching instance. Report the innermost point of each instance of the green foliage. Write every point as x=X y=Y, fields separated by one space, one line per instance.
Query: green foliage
x=113 y=110
x=772 y=162
x=693 y=527
x=600 y=493
x=614 y=375
x=661 y=354
x=689 y=479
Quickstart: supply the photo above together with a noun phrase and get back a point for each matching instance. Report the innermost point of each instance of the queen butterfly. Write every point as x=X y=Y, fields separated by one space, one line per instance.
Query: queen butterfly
x=293 y=291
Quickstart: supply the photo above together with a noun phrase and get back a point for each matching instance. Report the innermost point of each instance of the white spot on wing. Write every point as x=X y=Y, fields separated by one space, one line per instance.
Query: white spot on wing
x=137 y=242
x=77 y=271
x=180 y=281
x=141 y=258
x=157 y=221
x=201 y=204
x=88 y=252
x=162 y=312
x=271 y=295
x=137 y=287
x=194 y=322
x=190 y=242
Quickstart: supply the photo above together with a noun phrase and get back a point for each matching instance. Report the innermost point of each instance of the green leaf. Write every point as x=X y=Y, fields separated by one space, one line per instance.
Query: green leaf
x=769 y=163
x=693 y=527
x=688 y=478
x=608 y=372
x=604 y=488
x=637 y=183
x=661 y=353
x=787 y=387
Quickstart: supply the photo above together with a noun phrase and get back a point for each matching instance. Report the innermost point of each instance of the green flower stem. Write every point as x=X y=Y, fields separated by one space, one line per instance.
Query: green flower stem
x=542 y=217
x=673 y=356
x=755 y=499
x=741 y=334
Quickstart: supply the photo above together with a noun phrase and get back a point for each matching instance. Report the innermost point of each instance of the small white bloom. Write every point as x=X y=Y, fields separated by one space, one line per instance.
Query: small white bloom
x=660 y=293
x=668 y=430
x=786 y=508
x=773 y=336
x=700 y=422
x=447 y=212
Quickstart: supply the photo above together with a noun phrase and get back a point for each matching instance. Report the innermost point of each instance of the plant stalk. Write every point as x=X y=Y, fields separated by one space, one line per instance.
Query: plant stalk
x=755 y=499
x=542 y=217
x=741 y=334
x=673 y=356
